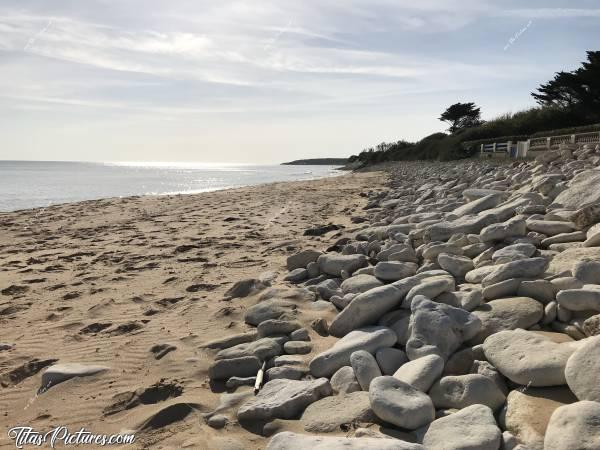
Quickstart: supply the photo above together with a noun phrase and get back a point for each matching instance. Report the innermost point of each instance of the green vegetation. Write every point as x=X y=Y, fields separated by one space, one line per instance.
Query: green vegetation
x=571 y=99
x=461 y=116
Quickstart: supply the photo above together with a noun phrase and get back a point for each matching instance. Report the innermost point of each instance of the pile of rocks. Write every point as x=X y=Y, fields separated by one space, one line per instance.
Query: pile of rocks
x=467 y=312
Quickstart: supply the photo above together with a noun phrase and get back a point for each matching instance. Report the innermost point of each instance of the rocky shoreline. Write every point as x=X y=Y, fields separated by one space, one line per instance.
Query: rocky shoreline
x=463 y=313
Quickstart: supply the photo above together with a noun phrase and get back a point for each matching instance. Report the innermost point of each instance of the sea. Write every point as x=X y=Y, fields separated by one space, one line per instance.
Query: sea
x=34 y=184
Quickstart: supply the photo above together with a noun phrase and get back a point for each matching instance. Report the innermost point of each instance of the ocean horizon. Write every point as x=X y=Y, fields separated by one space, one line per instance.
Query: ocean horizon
x=38 y=184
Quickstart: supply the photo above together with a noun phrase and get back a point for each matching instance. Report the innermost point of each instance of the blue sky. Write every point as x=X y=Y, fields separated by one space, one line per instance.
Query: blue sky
x=266 y=81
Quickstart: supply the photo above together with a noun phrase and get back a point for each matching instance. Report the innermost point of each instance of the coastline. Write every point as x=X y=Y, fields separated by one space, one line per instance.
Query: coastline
x=341 y=172
x=57 y=183
x=103 y=282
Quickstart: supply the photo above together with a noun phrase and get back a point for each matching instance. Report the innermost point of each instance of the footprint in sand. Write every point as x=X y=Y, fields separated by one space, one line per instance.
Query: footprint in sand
x=127 y=327
x=18 y=374
x=14 y=290
x=156 y=393
x=160 y=350
x=95 y=327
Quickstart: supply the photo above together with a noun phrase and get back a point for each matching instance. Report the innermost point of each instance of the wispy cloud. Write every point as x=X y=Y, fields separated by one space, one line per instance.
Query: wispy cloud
x=190 y=58
x=551 y=13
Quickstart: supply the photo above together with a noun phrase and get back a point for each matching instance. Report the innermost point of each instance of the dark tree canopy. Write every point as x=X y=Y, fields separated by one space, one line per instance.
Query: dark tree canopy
x=568 y=104
x=579 y=89
x=461 y=116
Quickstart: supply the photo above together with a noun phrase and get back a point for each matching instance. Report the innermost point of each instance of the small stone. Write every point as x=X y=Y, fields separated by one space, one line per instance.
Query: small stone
x=528 y=412
x=438 y=329
x=286 y=372
x=328 y=288
x=217 y=421
x=460 y=363
x=284 y=399
x=541 y=290
x=263 y=349
x=333 y=264
x=501 y=231
x=591 y=325
x=296 y=276
x=269 y=309
x=370 y=339
x=390 y=359
x=301 y=259
x=62 y=372
x=528 y=358
x=235 y=382
x=293 y=441
x=574 y=426
x=365 y=368
x=467 y=224
x=465 y=299
x=564 y=283
x=344 y=381
x=394 y=270
x=458 y=266
x=358 y=284
x=421 y=373
x=586 y=216
x=506 y=288
x=236 y=367
x=588 y=272
x=320 y=326
x=480 y=204
x=334 y=413
x=531 y=268
x=582 y=370
x=398 y=322
x=297 y=347
x=550 y=313
x=587 y=298
x=275 y=327
x=430 y=287
x=477 y=275
x=576 y=236
x=593 y=236
x=230 y=341
x=507 y=314
x=460 y=391
x=486 y=369
x=400 y=404
x=312 y=270
x=289 y=360
x=244 y=288
x=300 y=334
x=432 y=251
x=273 y=427
x=471 y=428
x=513 y=253
x=550 y=227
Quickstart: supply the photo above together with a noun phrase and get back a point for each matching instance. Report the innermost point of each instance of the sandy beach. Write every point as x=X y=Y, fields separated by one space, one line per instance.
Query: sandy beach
x=137 y=285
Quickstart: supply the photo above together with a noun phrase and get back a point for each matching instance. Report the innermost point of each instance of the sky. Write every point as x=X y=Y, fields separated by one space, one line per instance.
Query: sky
x=267 y=81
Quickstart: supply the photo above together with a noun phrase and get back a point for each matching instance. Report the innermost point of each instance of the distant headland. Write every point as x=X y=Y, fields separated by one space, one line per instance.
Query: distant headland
x=317 y=162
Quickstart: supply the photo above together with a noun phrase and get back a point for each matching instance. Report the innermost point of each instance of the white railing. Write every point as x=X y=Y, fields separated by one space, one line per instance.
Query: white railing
x=588 y=138
x=554 y=142
x=496 y=148
x=520 y=149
